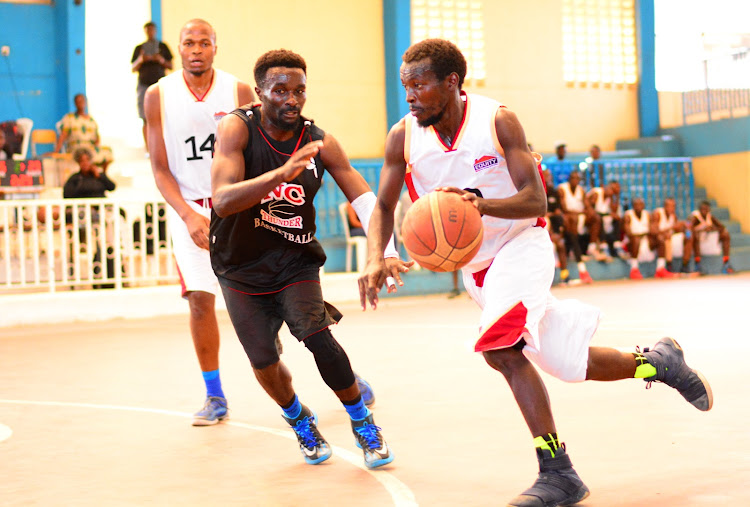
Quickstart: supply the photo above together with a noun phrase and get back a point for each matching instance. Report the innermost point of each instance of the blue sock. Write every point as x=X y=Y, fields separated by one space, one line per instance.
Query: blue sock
x=293 y=409
x=358 y=410
x=213 y=383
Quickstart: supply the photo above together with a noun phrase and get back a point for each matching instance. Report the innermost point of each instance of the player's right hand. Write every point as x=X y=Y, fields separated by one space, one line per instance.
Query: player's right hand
x=299 y=161
x=198 y=226
x=370 y=283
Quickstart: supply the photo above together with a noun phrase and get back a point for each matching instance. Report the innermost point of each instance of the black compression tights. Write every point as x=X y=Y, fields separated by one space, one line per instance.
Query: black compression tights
x=333 y=363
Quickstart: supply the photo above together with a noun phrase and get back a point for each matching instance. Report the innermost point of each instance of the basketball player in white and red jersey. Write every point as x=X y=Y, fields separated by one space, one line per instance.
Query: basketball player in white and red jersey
x=638 y=228
x=437 y=147
x=671 y=230
x=182 y=112
x=703 y=223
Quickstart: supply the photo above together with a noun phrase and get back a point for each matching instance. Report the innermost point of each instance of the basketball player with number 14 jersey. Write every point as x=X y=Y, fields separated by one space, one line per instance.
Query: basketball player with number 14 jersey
x=182 y=113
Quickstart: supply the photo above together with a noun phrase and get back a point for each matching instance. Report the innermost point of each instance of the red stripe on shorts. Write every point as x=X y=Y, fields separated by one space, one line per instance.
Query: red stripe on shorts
x=505 y=332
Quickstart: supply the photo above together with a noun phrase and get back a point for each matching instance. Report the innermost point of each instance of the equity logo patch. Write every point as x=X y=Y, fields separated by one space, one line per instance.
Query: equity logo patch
x=484 y=162
x=218 y=116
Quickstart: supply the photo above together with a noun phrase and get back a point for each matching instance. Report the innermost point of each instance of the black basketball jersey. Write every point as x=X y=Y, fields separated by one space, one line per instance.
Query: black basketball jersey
x=267 y=247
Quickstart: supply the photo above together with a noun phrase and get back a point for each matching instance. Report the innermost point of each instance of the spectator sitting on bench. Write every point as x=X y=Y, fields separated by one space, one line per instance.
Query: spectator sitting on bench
x=606 y=203
x=708 y=232
x=5 y=150
x=643 y=238
x=579 y=216
x=675 y=234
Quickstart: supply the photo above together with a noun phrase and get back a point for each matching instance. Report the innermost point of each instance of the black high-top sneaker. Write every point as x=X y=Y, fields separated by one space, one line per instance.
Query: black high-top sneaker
x=671 y=369
x=557 y=484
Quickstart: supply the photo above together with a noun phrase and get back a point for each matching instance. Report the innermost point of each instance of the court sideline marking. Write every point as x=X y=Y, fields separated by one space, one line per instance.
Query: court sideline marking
x=400 y=493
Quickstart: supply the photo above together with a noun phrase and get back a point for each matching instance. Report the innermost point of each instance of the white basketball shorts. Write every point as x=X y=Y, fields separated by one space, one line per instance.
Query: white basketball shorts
x=516 y=304
x=193 y=262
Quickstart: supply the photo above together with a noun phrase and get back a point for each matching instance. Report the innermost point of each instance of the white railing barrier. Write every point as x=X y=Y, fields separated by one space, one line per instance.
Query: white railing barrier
x=64 y=244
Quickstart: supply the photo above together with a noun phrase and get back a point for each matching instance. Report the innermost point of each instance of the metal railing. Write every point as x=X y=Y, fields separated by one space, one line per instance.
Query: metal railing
x=654 y=179
x=65 y=244
x=713 y=103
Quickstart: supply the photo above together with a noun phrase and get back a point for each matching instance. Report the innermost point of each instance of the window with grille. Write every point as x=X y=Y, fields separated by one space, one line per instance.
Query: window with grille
x=599 y=42
x=459 y=21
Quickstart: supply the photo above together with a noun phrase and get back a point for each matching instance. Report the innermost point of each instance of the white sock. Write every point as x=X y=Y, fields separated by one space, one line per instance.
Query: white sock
x=581 y=267
x=633 y=263
x=661 y=263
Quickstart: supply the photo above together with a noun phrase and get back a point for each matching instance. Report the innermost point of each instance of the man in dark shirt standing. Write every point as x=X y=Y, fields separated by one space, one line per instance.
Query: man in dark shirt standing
x=149 y=60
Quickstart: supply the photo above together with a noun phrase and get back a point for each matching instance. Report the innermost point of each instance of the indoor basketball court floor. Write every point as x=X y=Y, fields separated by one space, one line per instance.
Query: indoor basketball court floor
x=98 y=414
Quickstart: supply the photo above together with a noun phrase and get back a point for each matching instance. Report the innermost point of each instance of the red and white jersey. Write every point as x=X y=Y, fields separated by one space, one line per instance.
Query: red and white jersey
x=603 y=204
x=474 y=160
x=665 y=222
x=189 y=128
x=638 y=226
x=573 y=199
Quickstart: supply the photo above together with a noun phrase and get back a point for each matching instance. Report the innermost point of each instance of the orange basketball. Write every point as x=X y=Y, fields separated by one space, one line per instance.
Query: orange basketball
x=442 y=232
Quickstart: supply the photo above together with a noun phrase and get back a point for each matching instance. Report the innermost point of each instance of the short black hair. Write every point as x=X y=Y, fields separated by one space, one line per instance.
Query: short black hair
x=277 y=58
x=445 y=58
x=80 y=152
x=706 y=203
x=150 y=23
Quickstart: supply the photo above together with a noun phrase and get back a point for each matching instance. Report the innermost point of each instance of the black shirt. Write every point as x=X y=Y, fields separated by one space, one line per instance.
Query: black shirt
x=81 y=185
x=553 y=200
x=271 y=245
x=150 y=72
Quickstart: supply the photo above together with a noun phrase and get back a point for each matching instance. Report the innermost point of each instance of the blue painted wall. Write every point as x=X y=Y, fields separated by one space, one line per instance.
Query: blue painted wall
x=397 y=35
x=46 y=63
x=714 y=138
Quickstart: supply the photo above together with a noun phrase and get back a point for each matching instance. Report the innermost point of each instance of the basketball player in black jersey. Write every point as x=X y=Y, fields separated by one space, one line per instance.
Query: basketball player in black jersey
x=267 y=168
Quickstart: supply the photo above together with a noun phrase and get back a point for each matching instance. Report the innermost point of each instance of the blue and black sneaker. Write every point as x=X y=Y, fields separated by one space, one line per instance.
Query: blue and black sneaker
x=368 y=396
x=369 y=439
x=313 y=446
x=214 y=410
x=727 y=268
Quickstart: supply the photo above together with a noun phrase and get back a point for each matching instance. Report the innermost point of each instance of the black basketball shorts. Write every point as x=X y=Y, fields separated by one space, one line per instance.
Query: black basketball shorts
x=257 y=318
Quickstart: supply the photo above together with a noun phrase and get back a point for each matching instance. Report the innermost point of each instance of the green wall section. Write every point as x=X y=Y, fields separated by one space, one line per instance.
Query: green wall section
x=713 y=138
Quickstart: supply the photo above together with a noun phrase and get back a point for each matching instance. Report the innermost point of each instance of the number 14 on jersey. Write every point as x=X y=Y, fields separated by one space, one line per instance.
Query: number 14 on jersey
x=207 y=145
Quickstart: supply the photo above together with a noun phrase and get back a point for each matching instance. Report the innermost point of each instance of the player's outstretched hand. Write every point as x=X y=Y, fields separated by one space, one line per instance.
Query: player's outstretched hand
x=198 y=226
x=300 y=160
x=370 y=282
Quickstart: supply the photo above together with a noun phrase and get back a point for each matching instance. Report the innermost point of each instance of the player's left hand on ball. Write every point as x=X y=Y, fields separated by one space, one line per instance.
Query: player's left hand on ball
x=395 y=267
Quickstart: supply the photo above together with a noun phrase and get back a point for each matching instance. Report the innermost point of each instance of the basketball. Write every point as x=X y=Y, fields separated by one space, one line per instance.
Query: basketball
x=442 y=232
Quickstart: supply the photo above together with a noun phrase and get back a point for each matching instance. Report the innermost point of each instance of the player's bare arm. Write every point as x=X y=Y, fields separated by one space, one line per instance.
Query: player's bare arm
x=196 y=223
x=530 y=201
x=337 y=164
x=381 y=222
x=353 y=184
x=231 y=192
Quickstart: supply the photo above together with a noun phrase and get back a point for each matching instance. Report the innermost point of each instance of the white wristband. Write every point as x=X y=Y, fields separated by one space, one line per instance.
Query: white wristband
x=363 y=206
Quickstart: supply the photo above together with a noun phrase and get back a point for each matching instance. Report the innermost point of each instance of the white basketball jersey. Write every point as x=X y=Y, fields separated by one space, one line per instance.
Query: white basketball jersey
x=703 y=222
x=189 y=128
x=474 y=160
x=665 y=222
x=603 y=204
x=573 y=199
x=638 y=226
